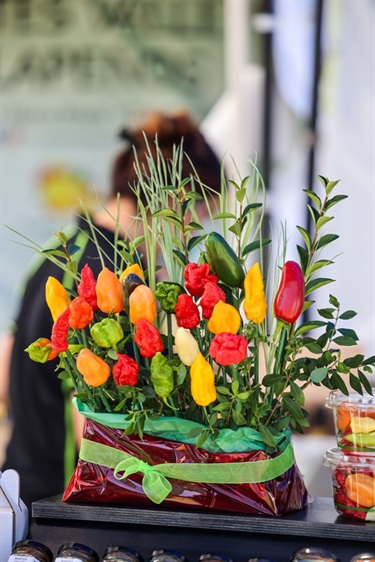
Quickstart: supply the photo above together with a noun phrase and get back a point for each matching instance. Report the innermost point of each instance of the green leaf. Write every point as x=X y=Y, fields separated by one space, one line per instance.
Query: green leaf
x=239 y=418
x=331 y=185
x=73 y=248
x=310 y=325
x=333 y=301
x=292 y=407
x=354 y=362
x=307 y=305
x=306 y=236
x=324 y=181
x=342 y=368
x=326 y=313
x=322 y=221
x=235 y=386
x=251 y=207
x=325 y=240
x=355 y=383
x=303 y=256
x=255 y=246
x=336 y=199
x=166 y=213
x=348 y=315
x=235 y=228
x=314 y=197
x=348 y=333
x=318 y=265
x=224 y=216
x=193 y=433
x=111 y=353
x=297 y=393
x=201 y=439
x=343 y=340
x=365 y=382
x=180 y=257
x=193 y=226
x=181 y=374
x=194 y=241
x=270 y=380
x=316 y=283
x=319 y=374
x=314 y=347
x=63 y=375
x=267 y=436
x=223 y=390
x=56 y=253
x=120 y=405
x=314 y=214
x=369 y=360
x=240 y=194
x=243 y=395
x=338 y=383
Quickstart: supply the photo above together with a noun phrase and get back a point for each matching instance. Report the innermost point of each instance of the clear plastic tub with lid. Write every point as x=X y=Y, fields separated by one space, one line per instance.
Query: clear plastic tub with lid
x=354 y=418
x=353 y=484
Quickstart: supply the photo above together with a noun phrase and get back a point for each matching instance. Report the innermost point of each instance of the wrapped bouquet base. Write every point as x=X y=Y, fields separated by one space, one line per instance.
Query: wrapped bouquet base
x=232 y=472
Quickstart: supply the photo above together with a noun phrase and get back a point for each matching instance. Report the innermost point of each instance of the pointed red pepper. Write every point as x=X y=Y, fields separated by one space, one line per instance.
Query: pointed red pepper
x=290 y=297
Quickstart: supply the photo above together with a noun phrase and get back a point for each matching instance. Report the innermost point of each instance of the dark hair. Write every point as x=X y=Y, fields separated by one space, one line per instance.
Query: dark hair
x=169 y=130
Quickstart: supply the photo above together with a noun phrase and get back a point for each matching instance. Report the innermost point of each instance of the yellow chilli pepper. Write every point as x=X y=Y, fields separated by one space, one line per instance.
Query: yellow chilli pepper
x=134 y=268
x=142 y=304
x=255 y=304
x=224 y=318
x=57 y=297
x=94 y=369
x=186 y=346
x=202 y=381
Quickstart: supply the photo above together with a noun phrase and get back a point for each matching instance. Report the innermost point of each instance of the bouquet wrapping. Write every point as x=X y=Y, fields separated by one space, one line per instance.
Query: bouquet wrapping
x=164 y=466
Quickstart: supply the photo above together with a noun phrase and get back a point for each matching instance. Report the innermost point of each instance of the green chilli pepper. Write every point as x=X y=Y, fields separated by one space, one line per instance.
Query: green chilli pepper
x=223 y=260
x=167 y=294
x=162 y=375
x=107 y=333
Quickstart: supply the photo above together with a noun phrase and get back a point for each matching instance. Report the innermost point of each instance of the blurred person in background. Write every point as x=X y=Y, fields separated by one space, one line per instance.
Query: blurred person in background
x=45 y=430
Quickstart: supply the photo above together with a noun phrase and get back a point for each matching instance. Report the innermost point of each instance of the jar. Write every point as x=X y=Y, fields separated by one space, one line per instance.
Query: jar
x=314 y=554
x=74 y=551
x=167 y=556
x=215 y=558
x=353 y=484
x=29 y=551
x=363 y=557
x=354 y=418
x=121 y=553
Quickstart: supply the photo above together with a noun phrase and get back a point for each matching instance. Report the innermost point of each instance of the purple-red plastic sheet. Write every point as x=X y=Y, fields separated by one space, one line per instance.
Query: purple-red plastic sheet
x=94 y=483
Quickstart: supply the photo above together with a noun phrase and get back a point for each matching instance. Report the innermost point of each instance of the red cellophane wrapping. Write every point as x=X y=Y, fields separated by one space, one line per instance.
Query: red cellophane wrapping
x=96 y=484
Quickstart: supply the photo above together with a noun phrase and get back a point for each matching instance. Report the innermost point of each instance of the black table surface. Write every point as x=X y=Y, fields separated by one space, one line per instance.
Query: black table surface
x=196 y=532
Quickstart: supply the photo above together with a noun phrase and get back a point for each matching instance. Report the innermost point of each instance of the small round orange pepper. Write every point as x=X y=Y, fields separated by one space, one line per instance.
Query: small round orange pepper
x=94 y=370
x=361 y=489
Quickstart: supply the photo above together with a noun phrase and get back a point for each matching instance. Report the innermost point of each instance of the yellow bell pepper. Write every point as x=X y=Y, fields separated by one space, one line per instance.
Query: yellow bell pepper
x=225 y=318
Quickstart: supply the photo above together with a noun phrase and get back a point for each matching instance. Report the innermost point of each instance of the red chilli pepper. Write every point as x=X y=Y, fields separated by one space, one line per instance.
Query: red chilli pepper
x=87 y=287
x=187 y=312
x=228 y=349
x=290 y=297
x=211 y=296
x=148 y=338
x=60 y=329
x=125 y=371
x=81 y=314
x=196 y=277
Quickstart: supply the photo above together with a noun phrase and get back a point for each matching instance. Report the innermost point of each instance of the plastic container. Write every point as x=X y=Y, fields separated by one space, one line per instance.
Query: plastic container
x=354 y=418
x=214 y=558
x=353 y=483
x=314 y=554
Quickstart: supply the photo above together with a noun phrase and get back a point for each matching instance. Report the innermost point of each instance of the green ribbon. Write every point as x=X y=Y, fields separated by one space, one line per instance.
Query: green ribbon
x=155 y=483
x=241 y=440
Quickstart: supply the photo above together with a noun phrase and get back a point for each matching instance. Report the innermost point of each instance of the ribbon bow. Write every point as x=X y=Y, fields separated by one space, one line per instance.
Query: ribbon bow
x=155 y=485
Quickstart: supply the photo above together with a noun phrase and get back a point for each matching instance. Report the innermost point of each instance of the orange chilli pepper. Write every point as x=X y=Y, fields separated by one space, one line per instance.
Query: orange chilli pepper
x=361 y=489
x=109 y=292
x=94 y=370
x=343 y=418
x=142 y=304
